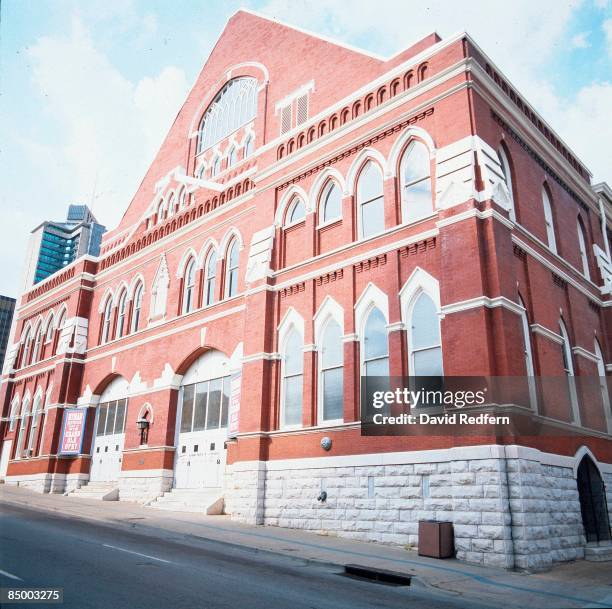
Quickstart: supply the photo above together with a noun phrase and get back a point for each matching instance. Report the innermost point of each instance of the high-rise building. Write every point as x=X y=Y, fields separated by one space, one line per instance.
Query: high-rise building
x=54 y=245
x=7 y=308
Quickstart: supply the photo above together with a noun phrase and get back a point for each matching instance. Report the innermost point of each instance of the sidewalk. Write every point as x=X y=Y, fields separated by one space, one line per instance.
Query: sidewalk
x=578 y=584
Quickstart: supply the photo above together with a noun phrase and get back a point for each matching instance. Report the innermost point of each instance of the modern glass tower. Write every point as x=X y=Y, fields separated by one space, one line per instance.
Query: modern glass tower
x=7 y=308
x=54 y=245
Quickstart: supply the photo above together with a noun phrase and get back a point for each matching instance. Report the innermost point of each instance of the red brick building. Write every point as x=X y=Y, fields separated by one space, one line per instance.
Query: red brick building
x=317 y=213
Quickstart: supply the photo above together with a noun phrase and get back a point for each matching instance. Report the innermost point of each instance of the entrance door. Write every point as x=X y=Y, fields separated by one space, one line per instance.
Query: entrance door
x=4 y=459
x=200 y=452
x=593 y=506
x=108 y=442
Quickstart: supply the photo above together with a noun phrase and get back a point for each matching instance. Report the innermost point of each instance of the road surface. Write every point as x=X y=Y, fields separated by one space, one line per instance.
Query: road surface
x=103 y=567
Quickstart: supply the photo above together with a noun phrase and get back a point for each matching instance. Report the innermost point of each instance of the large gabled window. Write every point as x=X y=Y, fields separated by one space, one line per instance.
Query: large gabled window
x=415 y=171
x=234 y=106
x=121 y=315
x=137 y=307
x=210 y=280
x=370 y=200
x=189 y=281
x=231 y=269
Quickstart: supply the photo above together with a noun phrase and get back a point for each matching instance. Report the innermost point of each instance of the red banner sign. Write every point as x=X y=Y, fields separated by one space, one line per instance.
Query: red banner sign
x=73 y=431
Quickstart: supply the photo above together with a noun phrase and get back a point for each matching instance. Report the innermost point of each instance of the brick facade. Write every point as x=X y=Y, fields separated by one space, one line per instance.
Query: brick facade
x=481 y=252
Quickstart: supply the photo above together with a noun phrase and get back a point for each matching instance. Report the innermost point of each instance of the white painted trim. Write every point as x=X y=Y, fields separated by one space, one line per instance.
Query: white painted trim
x=547 y=333
x=482 y=301
x=586 y=354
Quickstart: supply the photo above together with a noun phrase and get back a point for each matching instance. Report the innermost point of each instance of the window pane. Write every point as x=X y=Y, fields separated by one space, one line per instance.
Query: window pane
x=415 y=163
x=428 y=362
x=425 y=324
x=418 y=199
x=232 y=282
x=233 y=255
x=293 y=401
x=375 y=335
x=225 y=398
x=298 y=211
x=332 y=207
x=214 y=404
x=294 y=357
x=373 y=217
x=377 y=367
x=370 y=183
x=332 y=353
x=199 y=416
x=120 y=419
x=110 y=419
x=187 y=412
x=102 y=411
x=333 y=394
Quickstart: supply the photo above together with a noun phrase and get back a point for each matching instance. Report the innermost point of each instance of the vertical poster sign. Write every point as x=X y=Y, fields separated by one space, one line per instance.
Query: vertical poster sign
x=73 y=431
x=234 y=405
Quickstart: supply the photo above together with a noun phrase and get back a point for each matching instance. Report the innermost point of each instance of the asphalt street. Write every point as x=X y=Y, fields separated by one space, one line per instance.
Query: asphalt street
x=103 y=567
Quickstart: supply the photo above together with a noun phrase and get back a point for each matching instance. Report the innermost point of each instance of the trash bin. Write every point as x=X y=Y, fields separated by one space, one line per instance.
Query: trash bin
x=436 y=539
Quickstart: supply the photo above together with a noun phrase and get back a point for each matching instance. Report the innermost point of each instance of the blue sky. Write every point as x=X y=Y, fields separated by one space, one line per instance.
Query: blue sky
x=90 y=87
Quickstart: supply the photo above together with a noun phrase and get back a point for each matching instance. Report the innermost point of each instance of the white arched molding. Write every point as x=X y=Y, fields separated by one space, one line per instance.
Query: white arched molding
x=371 y=297
x=291 y=320
x=117 y=389
x=329 y=309
x=321 y=182
x=108 y=293
x=188 y=254
x=227 y=238
x=50 y=319
x=62 y=315
x=209 y=244
x=38 y=398
x=401 y=145
x=580 y=453
x=293 y=191
x=232 y=72
x=119 y=290
x=367 y=154
x=419 y=282
x=136 y=280
x=14 y=412
x=248 y=133
x=147 y=407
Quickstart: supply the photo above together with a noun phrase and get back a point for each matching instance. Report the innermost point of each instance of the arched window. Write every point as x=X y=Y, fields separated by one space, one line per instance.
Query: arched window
x=14 y=413
x=211 y=274
x=58 y=332
x=548 y=219
x=296 y=212
x=137 y=304
x=38 y=337
x=248 y=147
x=583 y=250
x=231 y=272
x=568 y=367
x=215 y=167
x=49 y=331
x=106 y=320
x=231 y=157
x=331 y=373
x=189 y=286
x=121 y=315
x=292 y=365
x=182 y=199
x=232 y=107
x=370 y=200
x=425 y=343
x=159 y=290
x=415 y=171
x=375 y=345
x=505 y=167
x=331 y=203
x=603 y=385
x=27 y=348
x=171 y=204
x=529 y=365
x=201 y=171
x=32 y=436
x=25 y=415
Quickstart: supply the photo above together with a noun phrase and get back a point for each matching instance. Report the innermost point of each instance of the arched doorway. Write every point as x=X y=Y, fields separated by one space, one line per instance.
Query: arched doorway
x=593 y=506
x=109 y=435
x=202 y=422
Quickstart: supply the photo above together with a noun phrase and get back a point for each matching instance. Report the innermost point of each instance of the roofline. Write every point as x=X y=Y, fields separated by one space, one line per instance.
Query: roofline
x=309 y=33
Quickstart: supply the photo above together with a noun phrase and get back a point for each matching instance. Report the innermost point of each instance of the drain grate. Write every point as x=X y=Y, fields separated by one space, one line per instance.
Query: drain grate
x=380 y=576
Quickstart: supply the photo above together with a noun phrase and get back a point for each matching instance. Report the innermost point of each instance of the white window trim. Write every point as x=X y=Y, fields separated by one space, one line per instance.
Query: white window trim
x=291 y=320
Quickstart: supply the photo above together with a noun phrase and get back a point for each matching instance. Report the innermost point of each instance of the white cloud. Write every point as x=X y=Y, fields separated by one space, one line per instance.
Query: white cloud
x=580 y=40
x=112 y=127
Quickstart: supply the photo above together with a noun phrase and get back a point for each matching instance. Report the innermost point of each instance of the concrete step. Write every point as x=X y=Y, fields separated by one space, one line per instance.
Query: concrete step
x=203 y=501
x=598 y=552
x=104 y=491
